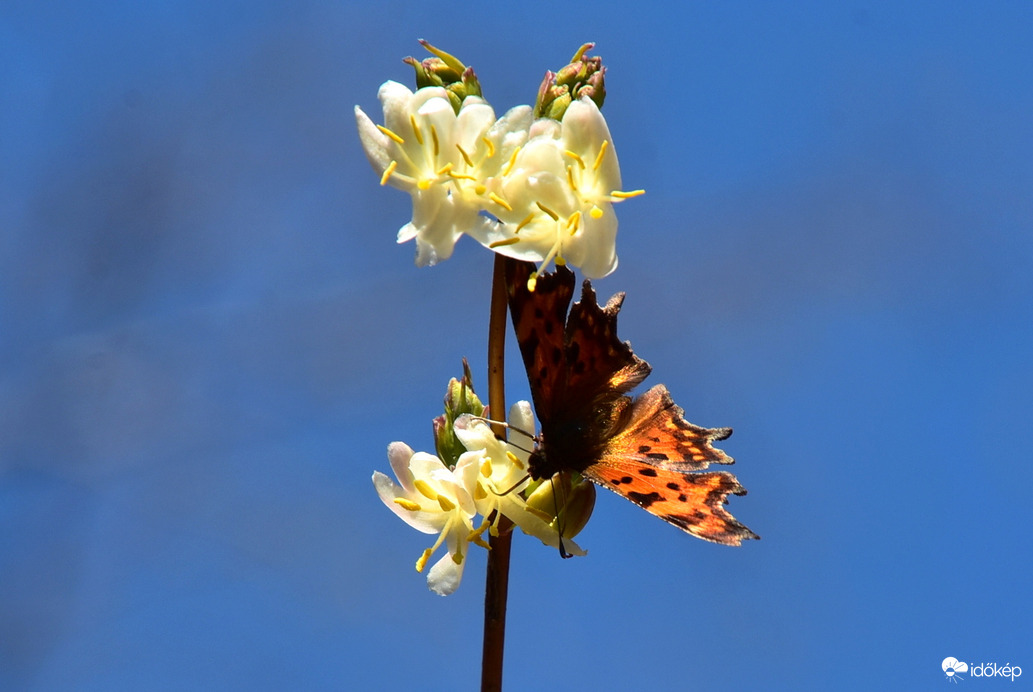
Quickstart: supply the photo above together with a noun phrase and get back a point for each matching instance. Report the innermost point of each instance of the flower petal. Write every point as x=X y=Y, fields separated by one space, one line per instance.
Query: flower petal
x=521 y=426
x=374 y=142
x=433 y=225
x=444 y=577
x=399 y=454
x=584 y=131
x=532 y=525
x=594 y=247
x=388 y=490
x=424 y=465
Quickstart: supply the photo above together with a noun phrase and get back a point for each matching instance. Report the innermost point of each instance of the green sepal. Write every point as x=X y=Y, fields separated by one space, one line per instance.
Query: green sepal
x=460 y=398
x=446 y=71
x=584 y=76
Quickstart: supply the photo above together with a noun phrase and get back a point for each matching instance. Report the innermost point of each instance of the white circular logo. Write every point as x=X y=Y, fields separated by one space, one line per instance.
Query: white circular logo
x=952 y=666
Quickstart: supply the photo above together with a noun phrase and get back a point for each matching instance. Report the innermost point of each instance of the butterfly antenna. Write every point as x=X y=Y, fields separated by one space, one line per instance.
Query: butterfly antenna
x=519 y=483
x=507 y=425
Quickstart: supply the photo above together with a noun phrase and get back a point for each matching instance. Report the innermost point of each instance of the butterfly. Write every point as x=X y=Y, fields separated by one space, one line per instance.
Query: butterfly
x=641 y=448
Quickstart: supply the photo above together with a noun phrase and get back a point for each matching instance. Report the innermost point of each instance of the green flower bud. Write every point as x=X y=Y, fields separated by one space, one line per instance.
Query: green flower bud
x=445 y=70
x=460 y=398
x=572 y=495
x=582 y=77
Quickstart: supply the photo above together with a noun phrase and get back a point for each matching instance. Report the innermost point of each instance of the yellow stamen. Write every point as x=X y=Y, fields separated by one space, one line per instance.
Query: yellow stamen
x=513 y=459
x=574 y=222
x=599 y=157
x=422 y=562
x=423 y=183
x=511 y=162
x=479 y=493
x=499 y=201
x=570 y=178
x=434 y=137
x=527 y=219
x=444 y=170
x=387 y=172
x=480 y=189
x=503 y=243
x=415 y=129
x=460 y=176
x=425 y=489
x=580 y=161
x=486 y=468
x=627 y=195
x=437 y=544
x=596 y=213
x=490 y=145
x=532 y=281
x=554 y=253
x=407 y=504
x=446 y=504
x=466 y=157
x=475 y=535
x=560 y=262
x=550 y=212
x=457 y=556
x=390 y=134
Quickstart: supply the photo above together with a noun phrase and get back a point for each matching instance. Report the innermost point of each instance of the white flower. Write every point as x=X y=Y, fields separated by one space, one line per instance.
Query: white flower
x=503 y=470
x=440 y=158
x=550 y=185
x=559 y=189
x=433 y=499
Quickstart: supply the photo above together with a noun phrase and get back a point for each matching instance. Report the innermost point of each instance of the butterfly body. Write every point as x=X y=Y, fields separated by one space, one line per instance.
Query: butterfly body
x=640 y=448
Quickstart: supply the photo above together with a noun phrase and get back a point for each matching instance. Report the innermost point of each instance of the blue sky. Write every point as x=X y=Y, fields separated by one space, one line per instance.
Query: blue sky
x=208 y=337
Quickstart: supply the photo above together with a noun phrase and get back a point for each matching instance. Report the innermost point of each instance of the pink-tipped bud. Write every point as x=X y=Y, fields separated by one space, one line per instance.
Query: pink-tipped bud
x=445 y=70
x=584 y=76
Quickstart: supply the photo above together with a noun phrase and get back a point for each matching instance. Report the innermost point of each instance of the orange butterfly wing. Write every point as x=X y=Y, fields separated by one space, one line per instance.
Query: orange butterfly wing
x=655 y=460
x=577 y=367
x=643 y=449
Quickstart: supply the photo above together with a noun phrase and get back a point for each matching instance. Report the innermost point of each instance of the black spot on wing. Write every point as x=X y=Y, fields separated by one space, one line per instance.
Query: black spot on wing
x=647 y=472
x=645 y=499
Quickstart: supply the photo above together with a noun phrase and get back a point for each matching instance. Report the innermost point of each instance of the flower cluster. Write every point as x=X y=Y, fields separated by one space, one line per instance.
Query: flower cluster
x=536 y=184
x=487 y=479
x=534 y=189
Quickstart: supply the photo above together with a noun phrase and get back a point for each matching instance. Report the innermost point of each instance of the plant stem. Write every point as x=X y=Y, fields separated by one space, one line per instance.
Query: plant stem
x=496 y=587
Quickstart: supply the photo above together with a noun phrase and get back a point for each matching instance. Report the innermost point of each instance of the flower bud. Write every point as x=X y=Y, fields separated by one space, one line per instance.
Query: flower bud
x=572 y=495
x=582 y=77
x=445 y=70
x=459 y=399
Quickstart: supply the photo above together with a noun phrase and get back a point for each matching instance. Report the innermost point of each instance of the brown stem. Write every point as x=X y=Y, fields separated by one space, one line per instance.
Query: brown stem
x=496 y=587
